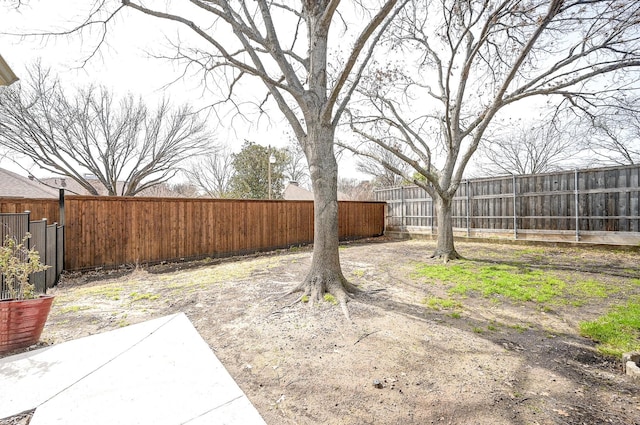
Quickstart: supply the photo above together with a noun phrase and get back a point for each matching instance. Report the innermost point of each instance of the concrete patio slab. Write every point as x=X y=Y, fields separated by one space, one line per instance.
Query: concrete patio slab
x=156 y=372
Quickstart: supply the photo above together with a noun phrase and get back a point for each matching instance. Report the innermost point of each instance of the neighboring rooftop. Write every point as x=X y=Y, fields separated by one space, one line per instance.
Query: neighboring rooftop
x=74 y=188
x=14 y=185
x=7 y=77
x=293 y=192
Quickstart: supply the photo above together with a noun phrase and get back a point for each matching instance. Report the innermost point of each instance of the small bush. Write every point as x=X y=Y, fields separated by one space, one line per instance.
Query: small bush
x=16 y=264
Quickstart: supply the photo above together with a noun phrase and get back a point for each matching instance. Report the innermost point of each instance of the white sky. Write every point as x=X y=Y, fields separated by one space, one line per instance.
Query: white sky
x=123 y=65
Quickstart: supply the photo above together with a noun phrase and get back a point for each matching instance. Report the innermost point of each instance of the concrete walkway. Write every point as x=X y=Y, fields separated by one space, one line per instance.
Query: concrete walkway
x=157 y=372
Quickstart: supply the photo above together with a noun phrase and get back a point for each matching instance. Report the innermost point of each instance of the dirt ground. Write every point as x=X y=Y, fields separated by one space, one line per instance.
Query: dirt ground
x=491 y=361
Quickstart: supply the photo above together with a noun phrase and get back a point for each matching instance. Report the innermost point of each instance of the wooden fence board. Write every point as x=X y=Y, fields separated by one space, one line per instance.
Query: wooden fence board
x=39 y=208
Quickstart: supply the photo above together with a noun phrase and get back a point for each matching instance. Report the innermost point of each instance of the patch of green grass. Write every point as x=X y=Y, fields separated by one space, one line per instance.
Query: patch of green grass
x=460 y=289
x=478 y=330
x=358 y=272
x=330 y=299
x=591 y=289
x=74 y=308
x=217 y=274
x=436 y=303
x=110 y=291
x=519 y=328
x=135 y=296
x=636 y=282
x=516 y=283
x=617 y=331
x=305 y=298
x=456 y=315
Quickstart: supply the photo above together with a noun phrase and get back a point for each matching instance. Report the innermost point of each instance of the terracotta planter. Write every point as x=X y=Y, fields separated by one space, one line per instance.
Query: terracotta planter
x=21 y=322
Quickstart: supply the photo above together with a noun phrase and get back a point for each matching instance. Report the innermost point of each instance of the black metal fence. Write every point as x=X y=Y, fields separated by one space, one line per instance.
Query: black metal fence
x=47 y=239
x=593 y=205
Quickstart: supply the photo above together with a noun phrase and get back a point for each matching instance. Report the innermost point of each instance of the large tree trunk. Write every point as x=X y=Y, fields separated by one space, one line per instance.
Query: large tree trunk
x=445 y=248
x=325 y=275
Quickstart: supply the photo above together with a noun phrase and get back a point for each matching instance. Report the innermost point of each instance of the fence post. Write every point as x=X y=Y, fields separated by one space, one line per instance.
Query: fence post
x=402 y=223
x=577 y=207
x=468 y=206
x=44 y=254
x=61 y=206
x=29 y=241
x=515 y=216
x=432 y=219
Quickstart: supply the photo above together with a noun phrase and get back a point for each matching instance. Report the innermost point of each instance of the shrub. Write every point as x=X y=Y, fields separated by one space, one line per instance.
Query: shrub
x=16 y=264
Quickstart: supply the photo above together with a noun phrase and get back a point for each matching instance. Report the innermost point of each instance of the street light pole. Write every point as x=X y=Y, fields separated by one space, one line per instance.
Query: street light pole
x=269 y=187
x=272 y=160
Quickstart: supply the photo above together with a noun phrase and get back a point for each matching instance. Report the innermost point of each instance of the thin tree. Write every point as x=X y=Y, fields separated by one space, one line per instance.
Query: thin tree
x=296 y=168
x=382 y=176
x=286 y=46
x=469 y=60
x=124 y=145
x=213 y=174
x=355 y=190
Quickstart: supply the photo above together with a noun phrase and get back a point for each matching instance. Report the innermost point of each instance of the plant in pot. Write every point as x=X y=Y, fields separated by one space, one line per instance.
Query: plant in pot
x=23 y=313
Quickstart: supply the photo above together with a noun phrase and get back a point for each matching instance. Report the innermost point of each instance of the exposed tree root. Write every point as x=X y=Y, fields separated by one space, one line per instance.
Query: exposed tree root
x=315 y=287
x=447 y=255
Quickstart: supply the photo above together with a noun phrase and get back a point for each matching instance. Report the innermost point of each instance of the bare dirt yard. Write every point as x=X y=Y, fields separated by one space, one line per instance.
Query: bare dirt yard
x=428 y=344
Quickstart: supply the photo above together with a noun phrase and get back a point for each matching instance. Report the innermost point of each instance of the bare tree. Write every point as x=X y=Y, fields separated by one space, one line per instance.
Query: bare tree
x=171 y=190
x=382 y=176
x=122 y=144
x=213 y=173
x=356 y=190
x=529 y=148
x=296 y=168
x=285 y=46
x=469 y=60
x=612 y=133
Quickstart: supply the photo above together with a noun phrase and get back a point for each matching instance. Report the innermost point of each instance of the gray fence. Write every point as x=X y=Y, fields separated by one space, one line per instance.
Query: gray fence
x=47 y=239
x=593 y=205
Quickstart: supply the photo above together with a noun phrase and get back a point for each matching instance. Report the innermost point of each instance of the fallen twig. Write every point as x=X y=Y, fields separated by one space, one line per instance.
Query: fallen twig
x=364 y=336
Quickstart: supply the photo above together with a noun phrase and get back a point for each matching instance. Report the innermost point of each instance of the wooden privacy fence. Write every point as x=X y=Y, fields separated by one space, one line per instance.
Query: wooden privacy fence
x=593 y=205
x=112 y=231
x=47 y=239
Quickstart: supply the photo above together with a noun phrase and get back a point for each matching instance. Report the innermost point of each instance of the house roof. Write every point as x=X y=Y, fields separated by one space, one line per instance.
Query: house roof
x=13 y=185
x=293 y=192
x=16 y=186
x=75 y=188
x=7 y=76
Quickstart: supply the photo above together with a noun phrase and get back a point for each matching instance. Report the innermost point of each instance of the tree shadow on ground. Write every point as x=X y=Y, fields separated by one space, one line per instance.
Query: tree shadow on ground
x=544 y=264
x=609 y=398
